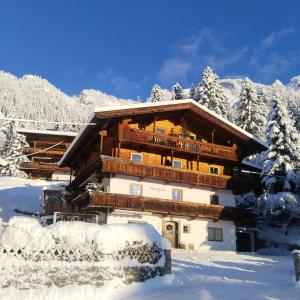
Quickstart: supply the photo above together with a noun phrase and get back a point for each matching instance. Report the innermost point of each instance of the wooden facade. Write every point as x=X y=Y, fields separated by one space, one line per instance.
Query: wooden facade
x=46 y=148
x=175 y=143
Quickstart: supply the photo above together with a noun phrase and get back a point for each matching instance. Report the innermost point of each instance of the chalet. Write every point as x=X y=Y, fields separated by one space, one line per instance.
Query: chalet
x=175 y=165
x=46 y=148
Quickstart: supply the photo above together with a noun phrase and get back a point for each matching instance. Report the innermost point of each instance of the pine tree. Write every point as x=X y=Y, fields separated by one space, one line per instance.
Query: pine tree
x=177 y=91
x=211 y=94
x=156 y=94
x=250 y=110
x=194 y=93
x=283 y=154
x=12 y=150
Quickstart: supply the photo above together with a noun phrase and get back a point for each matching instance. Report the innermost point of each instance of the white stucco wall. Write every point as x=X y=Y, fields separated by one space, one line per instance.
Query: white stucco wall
x=157 y=188
x=198 y=235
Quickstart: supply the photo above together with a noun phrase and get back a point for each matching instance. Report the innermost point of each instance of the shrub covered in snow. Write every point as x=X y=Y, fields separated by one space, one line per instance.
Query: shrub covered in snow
x=279 y=207
x=133 y=252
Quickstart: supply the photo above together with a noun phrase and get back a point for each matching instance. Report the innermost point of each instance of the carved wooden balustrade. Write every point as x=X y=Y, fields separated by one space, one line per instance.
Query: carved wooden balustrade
x=128 y=134
x=118 y=166
x=168 y=207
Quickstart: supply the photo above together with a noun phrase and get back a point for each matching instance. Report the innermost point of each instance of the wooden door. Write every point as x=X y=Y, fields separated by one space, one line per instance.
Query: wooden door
x=170 y=232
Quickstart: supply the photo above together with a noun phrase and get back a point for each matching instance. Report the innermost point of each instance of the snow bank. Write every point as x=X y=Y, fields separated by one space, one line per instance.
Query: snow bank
x=66 y=253
x=27 y=233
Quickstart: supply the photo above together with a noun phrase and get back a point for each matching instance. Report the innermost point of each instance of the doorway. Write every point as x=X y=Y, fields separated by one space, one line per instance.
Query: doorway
x=170 y=232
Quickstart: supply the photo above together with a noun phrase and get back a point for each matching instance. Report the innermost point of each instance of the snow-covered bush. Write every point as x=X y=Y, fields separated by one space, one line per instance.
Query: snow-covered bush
x=79 y=253
x=246 y=200
x=279 y=207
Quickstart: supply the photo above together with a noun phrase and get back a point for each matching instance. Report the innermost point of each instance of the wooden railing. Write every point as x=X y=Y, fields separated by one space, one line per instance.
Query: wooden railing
x=169 y=207
x=42 y=166
x=179 y=144
x=50 y=152
x=113 y=165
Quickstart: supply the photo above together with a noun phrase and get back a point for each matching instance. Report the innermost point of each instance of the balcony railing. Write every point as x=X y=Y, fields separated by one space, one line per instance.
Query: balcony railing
x=114 y=165
x=179 y=144
x=168 y=207
x=42 y=166
x=42 y=152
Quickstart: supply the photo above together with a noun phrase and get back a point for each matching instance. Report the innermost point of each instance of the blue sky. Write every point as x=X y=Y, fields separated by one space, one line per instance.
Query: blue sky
x=124 y=47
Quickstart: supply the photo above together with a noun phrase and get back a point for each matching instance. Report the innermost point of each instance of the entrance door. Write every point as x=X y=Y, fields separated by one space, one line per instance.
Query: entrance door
x=170 y=232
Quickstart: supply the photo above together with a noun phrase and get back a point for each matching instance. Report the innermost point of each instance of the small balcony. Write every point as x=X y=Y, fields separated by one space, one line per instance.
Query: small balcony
x=119 y=166
x=183 y=145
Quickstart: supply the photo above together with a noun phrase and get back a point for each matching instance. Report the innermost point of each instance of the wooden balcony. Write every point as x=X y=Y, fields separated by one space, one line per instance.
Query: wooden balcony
x=118 y=166
x=41 y=152
x=167 y=207
x=42 y=166
x=141 y=137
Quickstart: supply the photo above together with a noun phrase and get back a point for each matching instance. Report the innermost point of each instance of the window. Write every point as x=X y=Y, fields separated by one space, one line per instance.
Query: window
x=213 y=170
x=177 y=164
x=142 y=126
x=160 y=130
x=177 y=194
x=186 y=229
x=136 y=189
x=214 y=199
x=215 y=234
x=137 y=157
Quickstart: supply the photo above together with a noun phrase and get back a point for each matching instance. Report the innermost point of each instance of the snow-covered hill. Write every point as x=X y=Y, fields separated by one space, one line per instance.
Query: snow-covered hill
x=32 y=97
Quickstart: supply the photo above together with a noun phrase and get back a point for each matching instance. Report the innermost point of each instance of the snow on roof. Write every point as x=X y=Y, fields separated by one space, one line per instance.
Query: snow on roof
x=47 y=132
x=178 y=102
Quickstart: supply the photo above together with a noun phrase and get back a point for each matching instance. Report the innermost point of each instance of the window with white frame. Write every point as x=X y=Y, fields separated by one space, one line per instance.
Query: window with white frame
x=177 y=194
x=177 y=164
x=136 y=157
x=215 y=234
x=135 y=189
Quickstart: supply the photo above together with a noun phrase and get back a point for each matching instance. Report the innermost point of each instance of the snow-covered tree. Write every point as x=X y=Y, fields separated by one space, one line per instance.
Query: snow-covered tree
x=194 y=93
x=12 y=150
x=250 y=110
x=211 y=94
x=283 y=154
x=156 y=94
x=177 y=92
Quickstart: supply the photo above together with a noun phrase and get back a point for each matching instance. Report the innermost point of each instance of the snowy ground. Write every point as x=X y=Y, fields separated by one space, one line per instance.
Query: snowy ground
x=196 y=275
x=24 y=194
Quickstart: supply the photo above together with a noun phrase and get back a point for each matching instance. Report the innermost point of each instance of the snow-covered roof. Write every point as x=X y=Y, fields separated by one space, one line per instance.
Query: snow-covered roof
x=47 y=132
x=179 y=102
x=99 y=110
